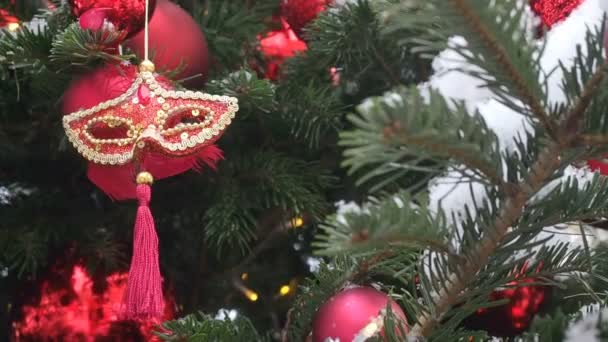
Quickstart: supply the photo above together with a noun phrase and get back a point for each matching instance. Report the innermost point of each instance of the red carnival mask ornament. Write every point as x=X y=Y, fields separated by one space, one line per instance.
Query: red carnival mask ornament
x=148 y=132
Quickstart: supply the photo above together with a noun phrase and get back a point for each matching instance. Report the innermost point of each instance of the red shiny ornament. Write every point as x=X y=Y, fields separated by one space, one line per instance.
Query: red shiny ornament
x=511 y=319
x=552 y=12
x=298 y=13
x=278 y=46
x=352 y=312
x=176 y=43
x=125 y=15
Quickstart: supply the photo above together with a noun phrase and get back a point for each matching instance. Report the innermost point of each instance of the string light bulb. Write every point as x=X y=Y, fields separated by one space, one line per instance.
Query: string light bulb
x=297 y=222
x=251 y=295
x=244 y=276
x=285 y=290
x=13 y=26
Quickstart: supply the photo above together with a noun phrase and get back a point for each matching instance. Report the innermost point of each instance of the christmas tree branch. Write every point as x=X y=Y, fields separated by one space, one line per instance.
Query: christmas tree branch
x=572 y=122
x=542 y=170
x=502 y=57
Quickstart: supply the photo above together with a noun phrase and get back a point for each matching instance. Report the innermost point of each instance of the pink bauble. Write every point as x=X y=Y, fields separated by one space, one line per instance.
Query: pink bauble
x=346 y=314
x=97 y=86
x=176 y=42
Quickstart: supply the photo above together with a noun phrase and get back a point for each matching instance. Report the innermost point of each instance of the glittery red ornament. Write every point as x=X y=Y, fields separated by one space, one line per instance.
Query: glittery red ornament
x=511 y=319
x=176 y=43
x=298 y=13
x=552 y=12
x=124 y=15
x=72 y=306
x=356 y=311
x=277 y=46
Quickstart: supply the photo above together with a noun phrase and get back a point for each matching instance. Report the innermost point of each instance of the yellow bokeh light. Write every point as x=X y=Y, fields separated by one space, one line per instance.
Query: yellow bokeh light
x=13 y=26
x=244 y=276
x=284 y=290
x=251 y=295
x=297 y=222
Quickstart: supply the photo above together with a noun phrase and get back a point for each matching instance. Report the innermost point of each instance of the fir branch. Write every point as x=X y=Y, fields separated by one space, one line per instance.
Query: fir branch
x=513 y=208
x=200 y=328
x=569 y=201
x=572 y=123
x=228 y=225
x=496 y=42
x=458 y=281
x=254 y=94
x=382 y=225
x=400 y=132
x=503 y=58
x=79 y=47
x=312 y=111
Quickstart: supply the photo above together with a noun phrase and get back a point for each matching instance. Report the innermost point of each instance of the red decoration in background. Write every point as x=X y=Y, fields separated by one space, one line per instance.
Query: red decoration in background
x=598 y=165
x=176 y=43
x=78 y=313
x=346 y=314
x=552 y=12
x=277 y=46
x=299 y=13
x=524 y=303
x=7 y=18
x=511 y=319
x=125 y=15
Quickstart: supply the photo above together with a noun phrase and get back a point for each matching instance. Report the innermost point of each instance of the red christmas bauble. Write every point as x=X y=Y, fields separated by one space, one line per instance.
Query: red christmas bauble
x=176 y=43
x=125 y=15
x=552 y=12
x=298 y=13
x=352 y=312
x=95 y=87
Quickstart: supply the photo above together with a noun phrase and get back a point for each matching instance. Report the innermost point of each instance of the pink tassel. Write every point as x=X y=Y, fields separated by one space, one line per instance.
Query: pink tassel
x=143 y=297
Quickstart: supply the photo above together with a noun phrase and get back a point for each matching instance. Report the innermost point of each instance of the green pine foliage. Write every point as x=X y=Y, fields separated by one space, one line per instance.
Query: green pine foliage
x=303 y=142
x=399 y=132
x=281 y=161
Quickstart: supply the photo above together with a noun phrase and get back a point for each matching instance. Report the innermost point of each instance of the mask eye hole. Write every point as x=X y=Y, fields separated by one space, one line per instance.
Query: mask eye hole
x=188 y=119
x=109 y=129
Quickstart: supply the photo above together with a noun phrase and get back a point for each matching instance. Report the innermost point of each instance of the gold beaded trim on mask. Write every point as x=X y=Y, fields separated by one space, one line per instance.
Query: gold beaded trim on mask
x=208 y=131
x=112 y=122
x=195 y=111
